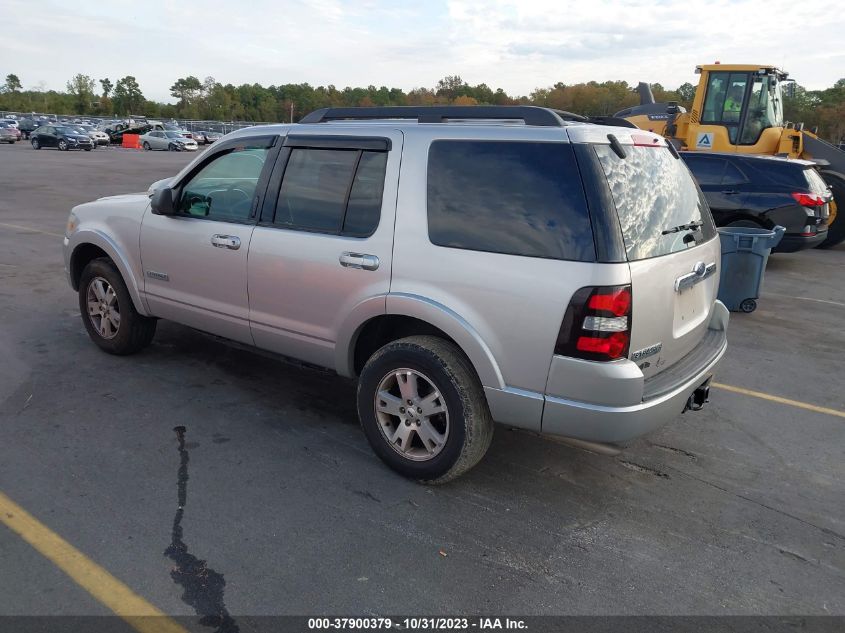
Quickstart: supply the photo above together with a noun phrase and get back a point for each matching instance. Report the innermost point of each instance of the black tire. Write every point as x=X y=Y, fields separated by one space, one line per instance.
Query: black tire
x=88 y=149
x=63 y=146
x=748 y=224
x=470 y=426
x=147 y=146
x=36 y=144
x=748 y=305
x=171 y=148
x=135 y=331
x=836 y=231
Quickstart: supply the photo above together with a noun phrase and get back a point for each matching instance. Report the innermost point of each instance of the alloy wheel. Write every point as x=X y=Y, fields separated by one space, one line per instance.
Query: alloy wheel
x=103 y=309
x=412 y=414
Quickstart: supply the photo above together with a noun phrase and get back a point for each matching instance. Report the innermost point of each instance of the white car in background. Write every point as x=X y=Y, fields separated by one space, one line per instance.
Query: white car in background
x=99 y=137
x=169 y=140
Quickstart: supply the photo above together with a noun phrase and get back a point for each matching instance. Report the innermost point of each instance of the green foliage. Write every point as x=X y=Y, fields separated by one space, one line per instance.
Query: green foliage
x=686 y=93
x=81 y=89
x=13 y=83
x=822 y=109
x=128 y=98
x=107 y=87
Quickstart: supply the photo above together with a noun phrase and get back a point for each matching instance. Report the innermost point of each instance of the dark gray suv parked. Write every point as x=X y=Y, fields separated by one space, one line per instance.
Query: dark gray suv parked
x=467 y=265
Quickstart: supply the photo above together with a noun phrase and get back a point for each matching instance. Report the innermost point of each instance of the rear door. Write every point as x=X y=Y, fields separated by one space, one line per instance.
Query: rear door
x=673 y=270
x=324 y=244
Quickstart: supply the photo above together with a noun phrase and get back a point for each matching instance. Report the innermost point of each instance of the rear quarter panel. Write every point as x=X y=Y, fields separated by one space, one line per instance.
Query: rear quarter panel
x=514 y=305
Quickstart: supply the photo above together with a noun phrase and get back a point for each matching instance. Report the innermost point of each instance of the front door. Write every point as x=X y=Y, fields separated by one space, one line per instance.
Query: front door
x=195 y=262
x=325 y=241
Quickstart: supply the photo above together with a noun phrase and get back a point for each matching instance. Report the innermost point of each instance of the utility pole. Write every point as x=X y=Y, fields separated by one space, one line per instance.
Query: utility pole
x=291 y=111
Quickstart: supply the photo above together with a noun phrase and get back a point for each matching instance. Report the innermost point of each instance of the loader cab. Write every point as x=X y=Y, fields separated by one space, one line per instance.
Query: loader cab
x=743 y=100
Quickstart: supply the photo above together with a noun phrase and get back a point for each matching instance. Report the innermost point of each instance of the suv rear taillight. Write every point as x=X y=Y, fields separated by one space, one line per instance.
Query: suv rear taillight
x=808 y=199
x=597 y=324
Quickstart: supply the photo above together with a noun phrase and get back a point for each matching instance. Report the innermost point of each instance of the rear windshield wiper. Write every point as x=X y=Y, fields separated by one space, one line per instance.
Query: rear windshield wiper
x=692 y=226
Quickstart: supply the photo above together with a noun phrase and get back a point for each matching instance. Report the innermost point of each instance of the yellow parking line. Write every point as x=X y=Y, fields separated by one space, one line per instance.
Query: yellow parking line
x=778 y=399
x=29 y=228
x=137 y=612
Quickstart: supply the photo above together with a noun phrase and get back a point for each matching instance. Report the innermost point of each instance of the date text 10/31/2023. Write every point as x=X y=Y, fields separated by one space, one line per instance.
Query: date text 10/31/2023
x=417 y=623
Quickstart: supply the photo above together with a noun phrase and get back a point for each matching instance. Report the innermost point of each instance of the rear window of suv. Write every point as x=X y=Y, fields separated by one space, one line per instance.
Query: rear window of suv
x=654 y=192
x=516 y=198
x=815 y=182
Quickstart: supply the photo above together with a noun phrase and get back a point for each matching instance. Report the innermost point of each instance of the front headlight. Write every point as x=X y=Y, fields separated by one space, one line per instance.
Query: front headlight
x=72 y=224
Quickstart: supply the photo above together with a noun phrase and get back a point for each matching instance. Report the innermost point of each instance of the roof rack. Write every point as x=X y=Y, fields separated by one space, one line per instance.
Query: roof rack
x=531 y=115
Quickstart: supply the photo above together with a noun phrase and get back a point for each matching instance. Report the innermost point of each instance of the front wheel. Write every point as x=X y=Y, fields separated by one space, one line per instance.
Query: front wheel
x=423 y=409
x=107 y=311
x=62 y=146
x=171 y=148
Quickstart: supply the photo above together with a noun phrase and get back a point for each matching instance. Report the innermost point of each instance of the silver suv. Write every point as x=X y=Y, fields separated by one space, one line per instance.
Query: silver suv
x=468 y=265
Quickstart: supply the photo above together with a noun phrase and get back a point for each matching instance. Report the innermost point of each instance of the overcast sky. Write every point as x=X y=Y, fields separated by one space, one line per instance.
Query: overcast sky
x=517 y=45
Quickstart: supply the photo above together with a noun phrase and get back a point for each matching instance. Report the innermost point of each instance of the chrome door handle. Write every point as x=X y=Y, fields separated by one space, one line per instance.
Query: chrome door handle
x=226 y=241
x=359 y=260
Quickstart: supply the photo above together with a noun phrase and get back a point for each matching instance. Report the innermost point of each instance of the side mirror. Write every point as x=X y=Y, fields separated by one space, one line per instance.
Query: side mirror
x=162 y=201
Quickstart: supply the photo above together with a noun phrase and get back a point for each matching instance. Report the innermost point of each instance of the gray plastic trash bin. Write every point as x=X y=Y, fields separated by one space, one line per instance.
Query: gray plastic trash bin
x=745 y=252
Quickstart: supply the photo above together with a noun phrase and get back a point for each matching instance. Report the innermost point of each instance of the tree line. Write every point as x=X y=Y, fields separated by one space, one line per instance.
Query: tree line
x=209 y=99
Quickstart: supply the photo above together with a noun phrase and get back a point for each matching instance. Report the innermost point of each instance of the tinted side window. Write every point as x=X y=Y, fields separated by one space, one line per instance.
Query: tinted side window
x=336 y=191
x=707 y=170
x=775 y=173
x=224 y=188
x=364 y=210
x=518 y=198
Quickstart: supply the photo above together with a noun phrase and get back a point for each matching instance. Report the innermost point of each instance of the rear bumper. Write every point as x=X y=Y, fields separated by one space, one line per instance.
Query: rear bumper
x=792 y=242
x=635 y=406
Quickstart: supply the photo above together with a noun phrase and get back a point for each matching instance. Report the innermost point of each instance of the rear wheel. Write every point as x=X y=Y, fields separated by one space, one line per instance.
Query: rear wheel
x=147 y=146
x=107 y=311
x=423 y=409
x=836 y=231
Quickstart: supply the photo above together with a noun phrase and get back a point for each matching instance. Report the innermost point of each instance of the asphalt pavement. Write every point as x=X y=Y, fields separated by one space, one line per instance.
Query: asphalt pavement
x=736 y=509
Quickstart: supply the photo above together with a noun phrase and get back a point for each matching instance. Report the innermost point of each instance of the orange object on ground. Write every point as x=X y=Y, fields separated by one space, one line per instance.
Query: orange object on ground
x=131 y=141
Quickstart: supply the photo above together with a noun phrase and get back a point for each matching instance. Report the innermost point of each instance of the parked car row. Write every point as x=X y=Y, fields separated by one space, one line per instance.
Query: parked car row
x=764 y=192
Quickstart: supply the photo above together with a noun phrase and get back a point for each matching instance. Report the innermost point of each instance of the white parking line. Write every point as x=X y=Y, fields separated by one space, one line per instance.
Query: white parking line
x=827 y=301
x=29 y=228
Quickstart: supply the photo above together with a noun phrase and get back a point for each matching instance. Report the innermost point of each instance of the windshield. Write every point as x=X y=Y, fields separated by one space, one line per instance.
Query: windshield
x=765 y=108
x=655 y=195
x=173 y=135
x=63 y=129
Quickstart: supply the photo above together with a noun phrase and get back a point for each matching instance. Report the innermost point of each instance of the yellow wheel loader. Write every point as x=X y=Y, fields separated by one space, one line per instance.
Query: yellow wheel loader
x=739 y=108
